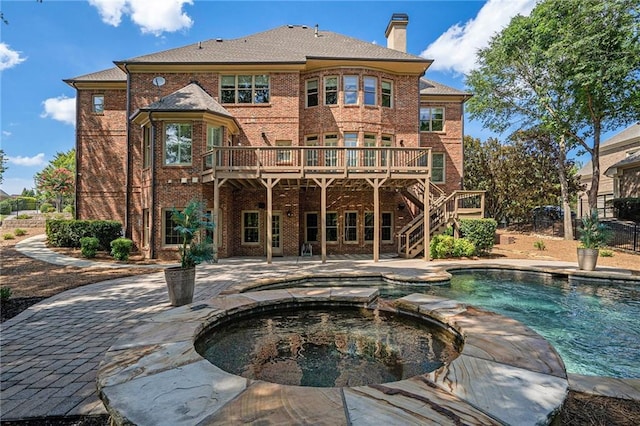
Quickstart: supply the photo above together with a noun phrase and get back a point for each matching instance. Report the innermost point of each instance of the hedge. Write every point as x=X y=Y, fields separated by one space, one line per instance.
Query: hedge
x=67 y=233
x=627 y=208
x=444 y=246
x=481 y=232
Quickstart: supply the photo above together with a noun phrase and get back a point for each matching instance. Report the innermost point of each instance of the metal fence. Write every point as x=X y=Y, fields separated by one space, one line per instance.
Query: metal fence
x=624 y=235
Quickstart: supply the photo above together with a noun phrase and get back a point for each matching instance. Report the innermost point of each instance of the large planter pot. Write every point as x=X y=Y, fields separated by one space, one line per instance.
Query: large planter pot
x=180 y=284
x=587 y=259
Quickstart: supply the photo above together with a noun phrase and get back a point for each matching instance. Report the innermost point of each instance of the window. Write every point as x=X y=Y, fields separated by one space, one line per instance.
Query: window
x=386 y=142
x=98 y=104
x=437 y=167
x=244 y=89
x=332 y=227
x=351 y=141
x=431 y=119
x=146 y=146
x=311 y=155
x=370 y=154
x=283 y=156
x=177 y=144
x=171 y=236
x=330 y=155
x=214 y=140
x=370 y=90
x=351 y=227
x=146 y=229
x=387 y=93
x=250 y=227
x=331 y=90
x=350 y=89
x=385 y=227
x=311 y=227
x=312 y=93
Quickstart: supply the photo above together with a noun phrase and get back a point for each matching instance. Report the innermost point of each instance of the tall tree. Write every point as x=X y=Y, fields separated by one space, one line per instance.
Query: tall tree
x=518 y=175
x=570 y=69
x=3 y=168
x=56 y=181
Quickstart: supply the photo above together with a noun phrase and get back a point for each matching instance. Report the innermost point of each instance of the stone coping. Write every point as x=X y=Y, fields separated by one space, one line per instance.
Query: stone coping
x=505 y=373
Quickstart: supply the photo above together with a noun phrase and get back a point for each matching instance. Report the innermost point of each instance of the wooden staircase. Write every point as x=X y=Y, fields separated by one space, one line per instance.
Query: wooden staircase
x=443 y=211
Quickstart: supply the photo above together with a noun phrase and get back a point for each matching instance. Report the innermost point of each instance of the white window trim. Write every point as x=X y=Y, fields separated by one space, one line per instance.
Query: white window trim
x=325 y=91
x=390 y=94
x=344 y=90
x=306 y=92
x=253 y=89
x=337 y=227
x=364 y=90
x=93 y=104
x=164 y=145
x=444 y=120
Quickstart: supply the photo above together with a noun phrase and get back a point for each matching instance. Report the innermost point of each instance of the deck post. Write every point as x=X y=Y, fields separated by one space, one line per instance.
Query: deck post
x=376 y=183
x=269 y=183
x=323 y=183
x=216 y=214
x=427 y=220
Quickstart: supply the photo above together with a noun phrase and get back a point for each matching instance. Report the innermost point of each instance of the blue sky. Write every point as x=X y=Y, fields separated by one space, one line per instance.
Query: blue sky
x=46 y=42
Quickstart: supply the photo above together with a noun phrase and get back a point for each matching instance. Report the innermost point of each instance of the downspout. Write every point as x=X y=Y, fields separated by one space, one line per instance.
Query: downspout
x=75 y=160
x=152 y=207
x=462 y=143
x=127 y=182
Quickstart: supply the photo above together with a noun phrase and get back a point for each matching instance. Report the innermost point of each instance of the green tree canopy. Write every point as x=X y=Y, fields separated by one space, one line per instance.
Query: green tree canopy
x=570 y=68
x=57 y=180
x=3 y=168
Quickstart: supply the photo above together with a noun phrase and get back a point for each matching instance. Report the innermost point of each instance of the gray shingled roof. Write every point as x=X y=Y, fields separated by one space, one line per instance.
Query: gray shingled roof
x=430 y=87
x=629 y=134
x=630 y=160
x=111 y=74
x=190 y=98
x=286 y=44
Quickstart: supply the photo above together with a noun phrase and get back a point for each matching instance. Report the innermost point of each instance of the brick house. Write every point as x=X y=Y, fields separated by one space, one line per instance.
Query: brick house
x=298 y=136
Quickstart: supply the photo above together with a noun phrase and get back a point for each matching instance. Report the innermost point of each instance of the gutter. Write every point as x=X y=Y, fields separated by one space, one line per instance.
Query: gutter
x=152 y=207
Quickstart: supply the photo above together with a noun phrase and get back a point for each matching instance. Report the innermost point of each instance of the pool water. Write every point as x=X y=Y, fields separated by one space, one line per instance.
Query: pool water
x=594 y=327
x=328 y=347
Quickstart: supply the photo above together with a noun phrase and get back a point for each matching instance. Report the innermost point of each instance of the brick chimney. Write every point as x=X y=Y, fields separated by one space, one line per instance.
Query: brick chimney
x=396 y=32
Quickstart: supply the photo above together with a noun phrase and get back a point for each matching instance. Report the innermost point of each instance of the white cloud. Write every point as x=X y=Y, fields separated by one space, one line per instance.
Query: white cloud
x=455 y=50
x=61 y=109
x=6 y=133
x=152 y=16
x=36 y=160
x=9 y=58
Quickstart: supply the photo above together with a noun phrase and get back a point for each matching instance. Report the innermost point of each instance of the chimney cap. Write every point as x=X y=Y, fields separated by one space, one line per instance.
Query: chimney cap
x=396 y=19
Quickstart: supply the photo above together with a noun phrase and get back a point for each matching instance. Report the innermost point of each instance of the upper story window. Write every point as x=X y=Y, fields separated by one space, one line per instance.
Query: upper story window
x=244 y=89
x=331 y=90
x=387 y=93
x=350 y=89
x=312 y=93
x=432 y=119
x=98 y=104
x=437 y=167
x=214 y=137
x=177 y=144
x=370 y=90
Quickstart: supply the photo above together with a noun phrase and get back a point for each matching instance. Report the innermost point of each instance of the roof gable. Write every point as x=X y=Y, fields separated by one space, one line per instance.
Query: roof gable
x=190 y=98
x=433 y=88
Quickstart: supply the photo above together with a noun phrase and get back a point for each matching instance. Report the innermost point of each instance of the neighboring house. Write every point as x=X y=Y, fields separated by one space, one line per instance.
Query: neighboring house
x=295 y=136
x=620 y=166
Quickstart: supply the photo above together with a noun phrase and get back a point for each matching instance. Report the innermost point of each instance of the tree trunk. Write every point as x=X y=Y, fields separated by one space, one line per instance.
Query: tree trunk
x=564 y=188
x=592 y=193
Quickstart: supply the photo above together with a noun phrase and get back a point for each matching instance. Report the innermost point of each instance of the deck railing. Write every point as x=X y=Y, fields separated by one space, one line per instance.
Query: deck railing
x=310 y=160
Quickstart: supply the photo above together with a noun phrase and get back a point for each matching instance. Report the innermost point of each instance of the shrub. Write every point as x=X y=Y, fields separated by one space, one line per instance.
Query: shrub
x=67 y=233
x=5 y=293
x=606 y=253
x=443 y=246
x=46 y=208
x=5 y=207
x=8 y=236
x=68 y=209
x=121 y=248
x=627 y=208
x=24 y=216
x=19 y=232
x=89 y=246
x=481 y=232
x=540 y=245
x=26 y=203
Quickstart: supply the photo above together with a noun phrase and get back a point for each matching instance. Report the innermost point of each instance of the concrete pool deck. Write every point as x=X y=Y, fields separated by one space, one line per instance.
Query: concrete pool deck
x=50 y=353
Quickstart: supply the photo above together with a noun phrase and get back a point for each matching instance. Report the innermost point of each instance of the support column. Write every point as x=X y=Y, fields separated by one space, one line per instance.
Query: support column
x=269 y=183
x=323 y=184
x=376 y=183
x=217 y=183
x=427 y=220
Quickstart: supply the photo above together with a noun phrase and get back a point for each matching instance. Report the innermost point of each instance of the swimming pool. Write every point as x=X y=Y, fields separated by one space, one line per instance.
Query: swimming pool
x=594 y=327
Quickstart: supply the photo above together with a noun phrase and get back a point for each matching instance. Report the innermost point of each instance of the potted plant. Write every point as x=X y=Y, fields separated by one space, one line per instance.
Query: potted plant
x=195 y=248
x=593 y=235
